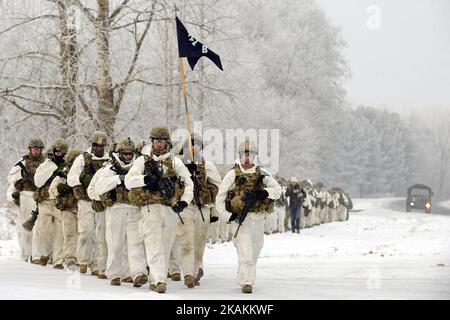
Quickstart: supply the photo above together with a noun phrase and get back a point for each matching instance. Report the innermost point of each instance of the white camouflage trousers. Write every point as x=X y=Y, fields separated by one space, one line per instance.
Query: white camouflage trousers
x=122 y=231
x=174 y=258
x=70 y=236
x=27 y=204
x=248 y=243
x=201 y=235
x=49 y=237
x=91 y=247
x=185 y=236
x=280 y=213
x=271 y=223
x=158 y=226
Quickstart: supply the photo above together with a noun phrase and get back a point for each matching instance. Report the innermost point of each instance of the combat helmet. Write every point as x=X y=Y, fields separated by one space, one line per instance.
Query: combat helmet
x=126 y=145
x=35 y=143
x=99 y=137
x=60 y=145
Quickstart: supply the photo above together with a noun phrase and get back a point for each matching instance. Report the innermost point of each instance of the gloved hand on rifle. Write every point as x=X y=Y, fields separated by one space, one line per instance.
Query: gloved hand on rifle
x=213 y=219
x=233 y=217
x=60 y=173
x=179 y=206
x=63 y=189
x=85 y=179
x=151 y=182
x=16 y=196
x=256 y=195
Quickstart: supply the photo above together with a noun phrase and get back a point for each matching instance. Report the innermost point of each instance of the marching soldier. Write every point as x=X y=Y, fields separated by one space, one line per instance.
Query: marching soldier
x=92 y=250
x=66 y=202
x=193 y=234
x=295 y=195
x=280 y=209
x=21 y=188
x=161 y=185
x=122 y=218
x=247 y=183
x=49 y=220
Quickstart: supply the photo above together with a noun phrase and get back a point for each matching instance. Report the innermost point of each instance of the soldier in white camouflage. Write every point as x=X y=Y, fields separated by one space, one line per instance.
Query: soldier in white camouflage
x=247 y=183
x=20 y=190
x=92 y=250
x=160 y=184
x=122 y=218
x=49 y=234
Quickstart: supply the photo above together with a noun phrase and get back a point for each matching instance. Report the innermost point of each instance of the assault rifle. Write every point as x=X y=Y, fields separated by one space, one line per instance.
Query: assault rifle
x=249 y=202
x=166 y=185
x=29 y=224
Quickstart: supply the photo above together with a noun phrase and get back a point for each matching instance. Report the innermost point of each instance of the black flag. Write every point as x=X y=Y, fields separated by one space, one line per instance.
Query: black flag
x=193 y=49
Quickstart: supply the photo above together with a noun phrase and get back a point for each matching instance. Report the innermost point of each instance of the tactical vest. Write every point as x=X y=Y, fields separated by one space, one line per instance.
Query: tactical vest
x=143 y=196
x=117 y=195
x=90 y=168
x=207 y=190
x=31 y=165
x=68 y=201
x=42 y=193
x=244 y=182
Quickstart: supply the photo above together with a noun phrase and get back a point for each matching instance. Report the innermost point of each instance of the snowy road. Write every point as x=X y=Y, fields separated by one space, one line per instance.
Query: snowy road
x=380 y=253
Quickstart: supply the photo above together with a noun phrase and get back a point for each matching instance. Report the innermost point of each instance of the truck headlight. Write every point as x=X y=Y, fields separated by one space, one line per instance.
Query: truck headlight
x=428 y=205
x=412 y=204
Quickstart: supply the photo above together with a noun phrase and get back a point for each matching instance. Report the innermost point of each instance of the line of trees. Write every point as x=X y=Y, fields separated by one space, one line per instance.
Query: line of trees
x=68 y=67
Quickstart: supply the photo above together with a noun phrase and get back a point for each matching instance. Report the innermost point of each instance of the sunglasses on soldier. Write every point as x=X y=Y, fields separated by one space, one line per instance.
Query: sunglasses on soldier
x=127 y=153
x=96 y=145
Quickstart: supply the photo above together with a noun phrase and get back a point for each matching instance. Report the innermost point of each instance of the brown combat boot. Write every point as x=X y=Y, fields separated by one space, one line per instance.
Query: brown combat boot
x=83 y=268
x=43 y=261
x=176 y=277
x=247 y=288
x=101 y=275
x=115 y=282
x=140 y=280
x=189 y=281
x=58 y=266
x=94 y=273
x=198 y=276
x=160 y=287
x=36 y=261
x=127 y=279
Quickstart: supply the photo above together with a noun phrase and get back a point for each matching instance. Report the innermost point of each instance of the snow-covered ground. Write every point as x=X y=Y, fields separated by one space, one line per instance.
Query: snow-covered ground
x=380 y=253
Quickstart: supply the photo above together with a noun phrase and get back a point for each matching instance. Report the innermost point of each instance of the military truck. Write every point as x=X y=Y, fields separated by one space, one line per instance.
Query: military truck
x=419 y=197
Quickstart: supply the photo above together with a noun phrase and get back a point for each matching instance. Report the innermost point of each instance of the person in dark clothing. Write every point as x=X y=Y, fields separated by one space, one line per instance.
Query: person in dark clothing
x=296 y=196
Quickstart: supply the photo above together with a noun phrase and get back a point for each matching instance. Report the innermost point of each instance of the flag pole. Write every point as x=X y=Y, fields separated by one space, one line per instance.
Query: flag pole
x=188 y=121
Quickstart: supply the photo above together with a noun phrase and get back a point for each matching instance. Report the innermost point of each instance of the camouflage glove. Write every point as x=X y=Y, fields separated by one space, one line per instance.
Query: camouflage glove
x=16 y=196
x=85 y=179
x=233 y=217
x=179 y=206
x=60 y=173
x=97 y=206
x=261 y=194
x=151 y=182
x=63 y=189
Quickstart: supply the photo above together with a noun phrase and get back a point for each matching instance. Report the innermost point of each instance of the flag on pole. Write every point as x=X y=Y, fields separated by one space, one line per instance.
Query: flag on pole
x=193 y=49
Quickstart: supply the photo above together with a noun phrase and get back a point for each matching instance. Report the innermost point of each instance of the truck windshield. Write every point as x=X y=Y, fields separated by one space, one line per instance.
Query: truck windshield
x=420 y=192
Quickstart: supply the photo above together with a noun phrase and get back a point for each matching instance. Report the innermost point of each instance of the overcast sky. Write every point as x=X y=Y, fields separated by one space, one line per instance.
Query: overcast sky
x=398 y=51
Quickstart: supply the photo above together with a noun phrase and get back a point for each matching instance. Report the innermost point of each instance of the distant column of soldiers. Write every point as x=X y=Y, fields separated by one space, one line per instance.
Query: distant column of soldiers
x=138 y=214
x=304 y=205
